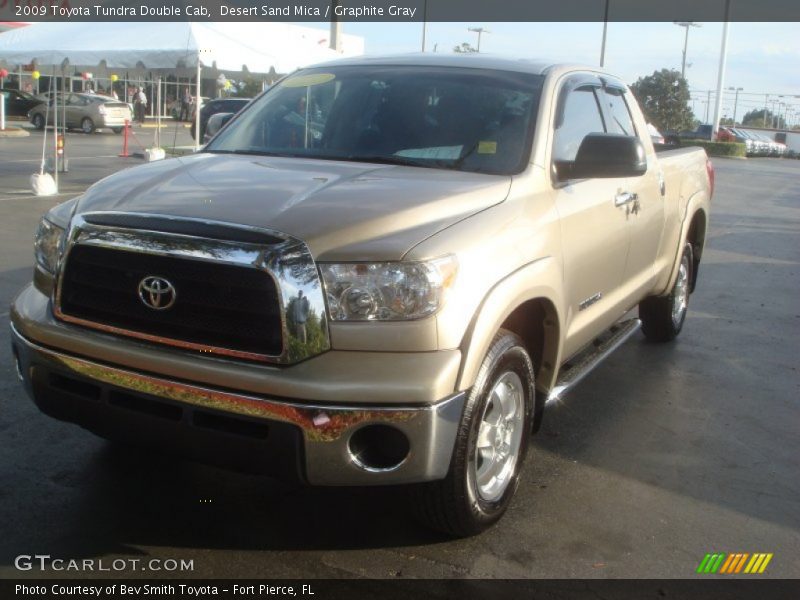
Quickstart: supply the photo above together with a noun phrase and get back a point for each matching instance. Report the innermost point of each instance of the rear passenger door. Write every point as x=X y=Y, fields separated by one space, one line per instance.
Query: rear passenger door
x=595 y=232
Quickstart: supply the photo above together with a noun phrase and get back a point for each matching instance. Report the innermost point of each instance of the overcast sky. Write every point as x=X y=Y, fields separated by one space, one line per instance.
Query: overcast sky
x=762 y=57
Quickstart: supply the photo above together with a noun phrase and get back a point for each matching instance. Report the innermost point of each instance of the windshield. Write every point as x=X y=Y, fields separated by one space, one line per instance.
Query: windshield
x=449 y=118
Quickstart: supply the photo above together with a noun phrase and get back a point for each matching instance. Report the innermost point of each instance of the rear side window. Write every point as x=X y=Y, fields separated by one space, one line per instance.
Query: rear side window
x=620 y=114
x=582 y=116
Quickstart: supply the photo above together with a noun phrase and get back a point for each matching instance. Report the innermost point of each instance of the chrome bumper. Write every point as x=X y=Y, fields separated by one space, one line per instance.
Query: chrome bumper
x=326 y=430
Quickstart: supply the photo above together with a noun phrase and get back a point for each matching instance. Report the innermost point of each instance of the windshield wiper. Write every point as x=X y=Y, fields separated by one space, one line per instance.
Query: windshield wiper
x=399 y=160
x=459 y=162
x=253 y=152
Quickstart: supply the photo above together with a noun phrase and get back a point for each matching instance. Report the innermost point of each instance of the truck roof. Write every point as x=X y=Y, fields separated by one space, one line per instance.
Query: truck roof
x=470 y=60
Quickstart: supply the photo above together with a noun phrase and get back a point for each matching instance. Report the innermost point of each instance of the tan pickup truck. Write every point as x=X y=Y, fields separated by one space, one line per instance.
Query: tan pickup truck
x=379 y=272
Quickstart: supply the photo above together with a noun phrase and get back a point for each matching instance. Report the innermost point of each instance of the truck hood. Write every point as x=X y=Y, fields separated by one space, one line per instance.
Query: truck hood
x=342 y=210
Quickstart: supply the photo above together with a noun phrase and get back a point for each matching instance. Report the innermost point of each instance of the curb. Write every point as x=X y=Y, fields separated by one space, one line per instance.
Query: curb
x=180 y=150
x=10 y=132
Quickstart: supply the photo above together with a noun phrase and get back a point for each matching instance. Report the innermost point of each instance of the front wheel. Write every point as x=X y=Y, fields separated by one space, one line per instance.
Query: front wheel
x=663 y=317
x=117 y=130
x=87 y=125
x=38 y=121
x=490 y=447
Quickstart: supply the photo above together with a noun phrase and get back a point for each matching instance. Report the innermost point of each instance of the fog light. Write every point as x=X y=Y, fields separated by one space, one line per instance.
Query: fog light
x=378 y=448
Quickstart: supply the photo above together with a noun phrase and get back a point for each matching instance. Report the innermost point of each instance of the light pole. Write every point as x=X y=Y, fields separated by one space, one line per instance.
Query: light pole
x=479 y=31
x=773 y=120
x=605 y=31
x=723 y=58
x=766 y=104
x=735 y=101
x=685 y=25
x=424 y=23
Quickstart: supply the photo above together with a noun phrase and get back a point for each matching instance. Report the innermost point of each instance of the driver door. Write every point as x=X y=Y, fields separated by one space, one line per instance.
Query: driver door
x=595 y=233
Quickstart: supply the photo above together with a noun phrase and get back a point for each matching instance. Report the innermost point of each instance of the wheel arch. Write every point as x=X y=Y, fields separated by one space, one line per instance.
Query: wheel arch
x=693 y=228
x=531 y=312
x=696 y=236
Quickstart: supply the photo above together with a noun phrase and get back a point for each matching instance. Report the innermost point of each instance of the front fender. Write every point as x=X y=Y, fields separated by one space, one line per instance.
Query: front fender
x=540 y=279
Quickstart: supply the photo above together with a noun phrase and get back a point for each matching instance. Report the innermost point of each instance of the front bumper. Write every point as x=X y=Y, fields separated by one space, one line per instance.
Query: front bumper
x=311 y=441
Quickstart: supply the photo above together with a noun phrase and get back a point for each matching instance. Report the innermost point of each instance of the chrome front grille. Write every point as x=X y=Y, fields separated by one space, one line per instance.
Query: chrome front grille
x=231 y=296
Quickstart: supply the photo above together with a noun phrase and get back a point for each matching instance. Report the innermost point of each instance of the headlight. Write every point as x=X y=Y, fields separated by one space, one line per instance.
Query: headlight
x=390 y=291
x=48 y=245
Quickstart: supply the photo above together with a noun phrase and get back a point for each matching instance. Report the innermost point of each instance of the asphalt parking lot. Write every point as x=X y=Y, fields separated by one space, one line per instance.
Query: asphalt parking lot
x=663 y=454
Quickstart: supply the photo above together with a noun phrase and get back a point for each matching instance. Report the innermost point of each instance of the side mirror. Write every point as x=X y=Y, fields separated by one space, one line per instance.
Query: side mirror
x=604 y=155
x=215 y=123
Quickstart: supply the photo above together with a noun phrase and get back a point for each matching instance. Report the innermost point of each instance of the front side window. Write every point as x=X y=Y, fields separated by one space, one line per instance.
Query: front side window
x=448 y=118
x=581 y=116
x=621 y=120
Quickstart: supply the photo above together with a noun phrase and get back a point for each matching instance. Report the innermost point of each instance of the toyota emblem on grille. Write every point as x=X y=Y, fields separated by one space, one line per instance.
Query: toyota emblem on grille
x=157 y=293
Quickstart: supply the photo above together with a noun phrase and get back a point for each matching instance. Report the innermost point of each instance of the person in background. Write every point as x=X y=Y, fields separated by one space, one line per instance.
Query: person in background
x=140 y=105
x=186 y=106
x=300 y=311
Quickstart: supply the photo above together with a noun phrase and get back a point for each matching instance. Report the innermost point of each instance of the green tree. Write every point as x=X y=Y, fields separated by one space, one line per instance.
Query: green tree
x=755 y=118
x=249 y=88
x=664 y=98
x=465 y=48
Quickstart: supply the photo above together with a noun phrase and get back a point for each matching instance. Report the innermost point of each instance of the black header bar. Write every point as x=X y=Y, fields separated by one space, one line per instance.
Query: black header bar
x=405 y=589
x=398 y=11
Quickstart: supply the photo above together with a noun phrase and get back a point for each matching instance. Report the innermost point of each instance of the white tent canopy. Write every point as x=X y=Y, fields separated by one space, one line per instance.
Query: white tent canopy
x=232 y=47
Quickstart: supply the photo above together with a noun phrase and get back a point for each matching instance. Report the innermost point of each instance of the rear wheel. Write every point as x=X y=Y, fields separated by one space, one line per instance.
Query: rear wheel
x=663 y=317
x=38 y=121
x=87 y=125
x=490 y=446
x=116 y=129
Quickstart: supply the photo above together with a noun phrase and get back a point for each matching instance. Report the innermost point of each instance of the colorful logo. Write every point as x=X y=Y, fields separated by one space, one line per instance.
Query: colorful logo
x=735 y=563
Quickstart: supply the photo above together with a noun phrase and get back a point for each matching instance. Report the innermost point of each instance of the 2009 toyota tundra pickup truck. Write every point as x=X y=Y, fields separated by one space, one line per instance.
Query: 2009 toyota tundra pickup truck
x=379 y=272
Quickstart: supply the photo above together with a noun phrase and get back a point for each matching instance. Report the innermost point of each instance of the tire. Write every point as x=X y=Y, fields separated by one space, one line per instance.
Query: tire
x=87 y=125
x=38 y=121
x=481 y=482
x=116 y=130
x=662 y=317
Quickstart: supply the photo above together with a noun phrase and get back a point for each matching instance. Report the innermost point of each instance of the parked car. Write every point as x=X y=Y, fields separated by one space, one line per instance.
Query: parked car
x=18 y=103
x=218 y=105
x=729 y=134
x=703 y=132
x=86 y=112
x=759 y=146
x=773 y=148
x=378 y=273
x=655 y=134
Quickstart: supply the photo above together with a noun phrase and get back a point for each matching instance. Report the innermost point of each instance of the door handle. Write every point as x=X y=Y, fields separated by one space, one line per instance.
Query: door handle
x=624 y=198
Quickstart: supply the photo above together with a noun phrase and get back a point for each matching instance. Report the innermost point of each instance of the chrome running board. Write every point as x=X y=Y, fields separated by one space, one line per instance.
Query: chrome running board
x=588 y=359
